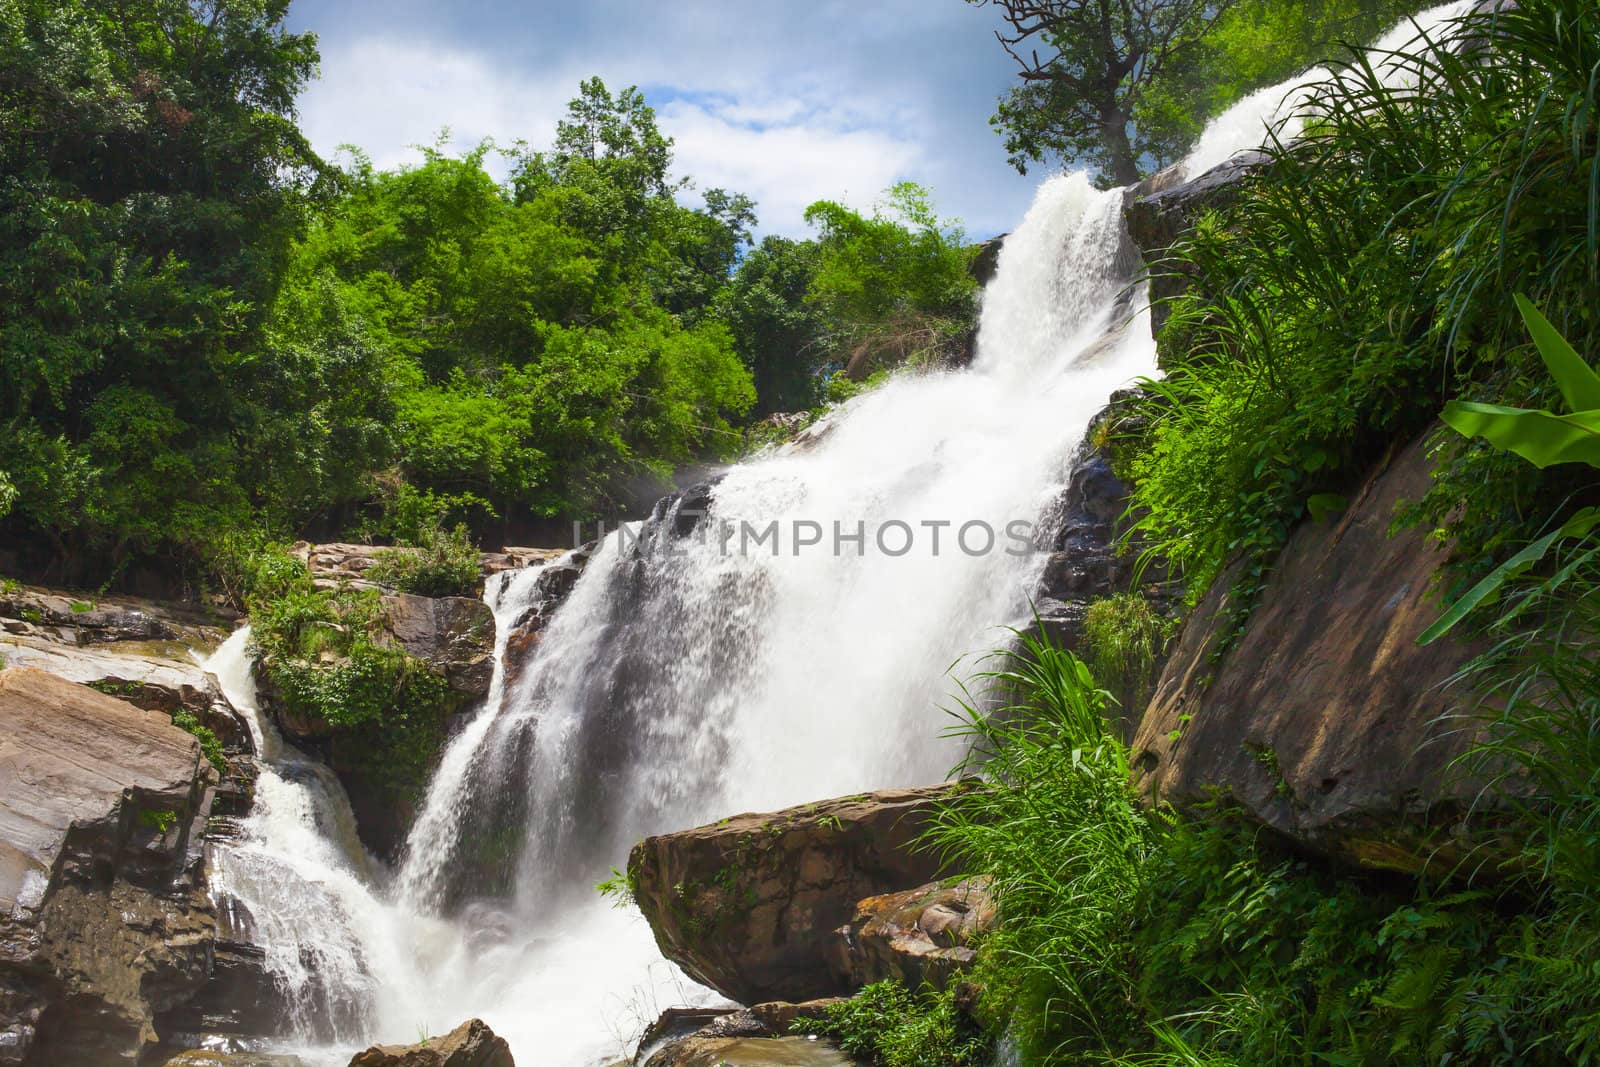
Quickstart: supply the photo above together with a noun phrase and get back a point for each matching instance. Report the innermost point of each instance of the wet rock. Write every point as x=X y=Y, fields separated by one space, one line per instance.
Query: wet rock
x=453 y=635
x=1324 y=720
x=208 y=1058
x=920 y=936
x=746 y=905
x=986 y=262
x=105 y=918
x=1088 y=560
x=1161 y=210
x=700 y=1051
x=472 y=1044
x=551 y=589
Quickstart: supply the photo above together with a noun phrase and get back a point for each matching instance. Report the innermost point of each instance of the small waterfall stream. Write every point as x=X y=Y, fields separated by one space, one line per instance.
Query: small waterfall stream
x=689 y=677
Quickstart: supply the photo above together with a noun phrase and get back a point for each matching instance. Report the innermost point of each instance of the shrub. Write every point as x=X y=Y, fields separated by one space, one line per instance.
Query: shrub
x=324 y=655
x=1135 y=936
x=442 y=563
x=890 y=1026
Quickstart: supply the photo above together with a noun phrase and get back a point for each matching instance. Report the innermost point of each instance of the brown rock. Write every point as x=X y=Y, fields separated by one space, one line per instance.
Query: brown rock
x=472 y=1044
x=920 y=936
x=208 y=1058
x=454 y=635
x=1322 y=721
x=1164 y=206
x=104 y=920
x=746 y=905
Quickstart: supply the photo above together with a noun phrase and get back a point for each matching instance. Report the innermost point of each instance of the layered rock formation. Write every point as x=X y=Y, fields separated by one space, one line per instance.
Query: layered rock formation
x=137 y=650
x=105 y=918
x=747 y=904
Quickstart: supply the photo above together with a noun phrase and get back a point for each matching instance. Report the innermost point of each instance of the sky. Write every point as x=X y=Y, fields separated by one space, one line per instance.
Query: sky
x=787 y=101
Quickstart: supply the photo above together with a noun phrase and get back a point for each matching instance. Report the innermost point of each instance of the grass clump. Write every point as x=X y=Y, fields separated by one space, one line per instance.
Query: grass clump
x=1124 y=637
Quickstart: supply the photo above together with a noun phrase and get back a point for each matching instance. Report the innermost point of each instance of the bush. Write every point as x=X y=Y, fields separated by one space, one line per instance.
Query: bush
x=890 y=1026
x=209 y=745
x=440 y=564
x=323 y=653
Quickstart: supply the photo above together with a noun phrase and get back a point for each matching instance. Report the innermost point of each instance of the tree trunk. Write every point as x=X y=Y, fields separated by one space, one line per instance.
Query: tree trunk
x=1120 y=163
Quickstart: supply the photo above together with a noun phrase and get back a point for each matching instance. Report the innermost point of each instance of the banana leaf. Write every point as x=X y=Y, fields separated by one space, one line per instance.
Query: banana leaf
x=1543 y=438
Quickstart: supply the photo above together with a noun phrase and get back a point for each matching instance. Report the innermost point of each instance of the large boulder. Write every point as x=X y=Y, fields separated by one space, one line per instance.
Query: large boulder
x=1325 y=720
x=472 y=1044
x=453 y=635
x=104 y=920
x=746 y=905
x=922 y=936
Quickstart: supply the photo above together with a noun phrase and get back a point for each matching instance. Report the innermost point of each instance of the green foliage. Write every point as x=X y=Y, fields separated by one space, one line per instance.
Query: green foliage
x=887 y=1025
x=1353 y=287
x=619 y=889
x=211 y=339
x=151 y=178
x=897 y=286
x=209 y=745
x=326 y=657
x=1135 y=936
x=160 y=820
x=443 y=563
x=1124 y=636
x=782 y=337
x=1541 y=437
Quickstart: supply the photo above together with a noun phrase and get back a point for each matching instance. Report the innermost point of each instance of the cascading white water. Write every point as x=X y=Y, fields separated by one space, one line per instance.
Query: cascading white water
x=1281 y=109
x=690 y=677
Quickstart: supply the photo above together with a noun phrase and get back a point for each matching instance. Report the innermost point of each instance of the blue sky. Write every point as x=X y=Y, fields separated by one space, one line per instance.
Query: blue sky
x=789 y=101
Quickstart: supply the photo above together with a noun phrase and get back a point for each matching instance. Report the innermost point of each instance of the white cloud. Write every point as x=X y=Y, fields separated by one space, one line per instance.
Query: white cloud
x=386 y=96
x=786 y=167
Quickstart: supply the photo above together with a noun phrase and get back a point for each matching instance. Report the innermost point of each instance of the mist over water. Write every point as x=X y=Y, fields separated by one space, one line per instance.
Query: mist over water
x=674 y=688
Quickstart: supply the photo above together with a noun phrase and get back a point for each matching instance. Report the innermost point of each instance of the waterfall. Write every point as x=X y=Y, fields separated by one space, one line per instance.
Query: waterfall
x=691 y=673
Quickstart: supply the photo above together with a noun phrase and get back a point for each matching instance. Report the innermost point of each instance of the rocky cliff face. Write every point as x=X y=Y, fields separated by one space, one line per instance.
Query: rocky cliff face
x=1325 y=720
x=105 y=917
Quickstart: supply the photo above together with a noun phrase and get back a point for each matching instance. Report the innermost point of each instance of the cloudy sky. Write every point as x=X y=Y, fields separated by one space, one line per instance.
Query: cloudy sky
x=789 y=101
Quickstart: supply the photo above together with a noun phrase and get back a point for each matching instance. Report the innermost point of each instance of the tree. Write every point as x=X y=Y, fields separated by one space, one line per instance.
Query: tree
x=1125 y=86
x=896 y=286
x=151 y=181
x=779 y=334
x=1098 y=59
